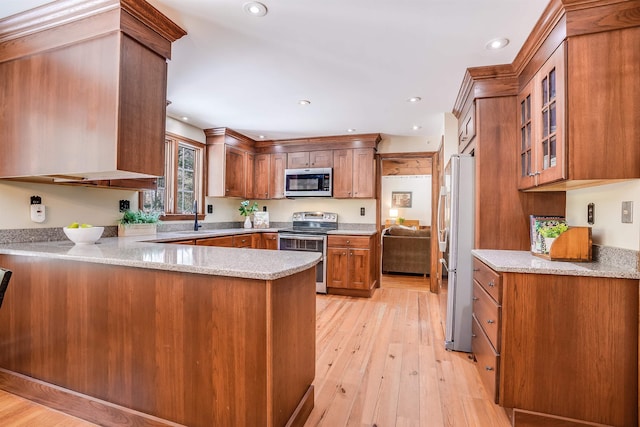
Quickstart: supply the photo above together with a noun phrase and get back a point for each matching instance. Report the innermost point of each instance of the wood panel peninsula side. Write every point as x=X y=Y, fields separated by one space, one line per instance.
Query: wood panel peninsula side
x=116 y=343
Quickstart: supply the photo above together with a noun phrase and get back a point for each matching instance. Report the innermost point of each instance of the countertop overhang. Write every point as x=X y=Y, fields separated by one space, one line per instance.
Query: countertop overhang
x=147 y=252
x=525 y=262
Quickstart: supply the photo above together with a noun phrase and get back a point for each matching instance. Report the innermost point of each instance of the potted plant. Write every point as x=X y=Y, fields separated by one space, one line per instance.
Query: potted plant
x=551 y=231
x=138 y=223
x=246 y=210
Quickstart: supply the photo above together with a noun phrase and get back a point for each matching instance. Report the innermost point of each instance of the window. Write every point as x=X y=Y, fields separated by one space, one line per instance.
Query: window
x=182 y=180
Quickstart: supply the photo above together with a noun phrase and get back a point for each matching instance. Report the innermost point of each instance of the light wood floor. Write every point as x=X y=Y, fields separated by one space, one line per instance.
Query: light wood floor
x=380 y=362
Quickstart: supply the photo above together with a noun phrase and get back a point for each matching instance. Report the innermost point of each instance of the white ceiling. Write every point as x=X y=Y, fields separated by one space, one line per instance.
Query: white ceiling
x=357 y=61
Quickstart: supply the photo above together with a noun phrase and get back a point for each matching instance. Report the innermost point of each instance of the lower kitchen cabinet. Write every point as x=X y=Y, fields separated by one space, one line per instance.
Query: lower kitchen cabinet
x=269 y=241
x=237 y=241
x=550 y=346
x=350 y=265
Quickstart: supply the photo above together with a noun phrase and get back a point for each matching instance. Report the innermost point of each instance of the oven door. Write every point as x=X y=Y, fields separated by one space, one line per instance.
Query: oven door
x=308 y=243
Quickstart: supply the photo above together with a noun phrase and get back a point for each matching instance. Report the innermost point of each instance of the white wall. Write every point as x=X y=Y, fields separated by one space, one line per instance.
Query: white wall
x=408 y=144
x=183 y=129
x=608 y=230
x=419 y=185
x=64 y=204
x=348 y=210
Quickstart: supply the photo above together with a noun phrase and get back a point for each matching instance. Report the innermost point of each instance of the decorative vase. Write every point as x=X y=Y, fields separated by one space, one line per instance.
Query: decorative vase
x=247 y=222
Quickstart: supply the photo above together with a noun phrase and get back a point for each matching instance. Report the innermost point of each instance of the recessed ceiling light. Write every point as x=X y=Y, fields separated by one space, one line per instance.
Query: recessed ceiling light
x=185 y=118
x=261 y=136
x=414 y=99
x=416 y=127
x=304 y=102
x=351 y=130
x=498 y=43
x=255 y=8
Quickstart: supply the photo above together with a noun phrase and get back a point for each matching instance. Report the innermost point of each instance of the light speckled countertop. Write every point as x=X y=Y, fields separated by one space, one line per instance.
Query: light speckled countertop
x=524 y=262
x=142 y=252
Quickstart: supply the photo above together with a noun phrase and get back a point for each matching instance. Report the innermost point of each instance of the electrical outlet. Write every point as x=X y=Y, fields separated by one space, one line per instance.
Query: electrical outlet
x=361 y=211
x=124 y=205
x=627 y=212
x=36 y=200
x=209 y=209
x=591 y=214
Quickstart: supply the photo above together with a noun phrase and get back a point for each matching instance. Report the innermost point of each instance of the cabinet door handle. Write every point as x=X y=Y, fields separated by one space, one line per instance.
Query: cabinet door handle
x=476 y=269
x=475 y=298
x=474 y=336
x=491 y=284
x=491 y=321
x=344 y=253
x=348 y=241
x=488 y=368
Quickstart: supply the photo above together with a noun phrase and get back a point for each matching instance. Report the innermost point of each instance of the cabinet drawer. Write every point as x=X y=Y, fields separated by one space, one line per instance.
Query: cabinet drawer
x=487 y=360
x=349 y=241
x=488 y=313
x=488 y=279
x=242 y=241
x=225 y=241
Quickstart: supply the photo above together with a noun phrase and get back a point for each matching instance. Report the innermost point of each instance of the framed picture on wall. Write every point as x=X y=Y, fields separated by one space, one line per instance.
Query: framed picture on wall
x=401 y=199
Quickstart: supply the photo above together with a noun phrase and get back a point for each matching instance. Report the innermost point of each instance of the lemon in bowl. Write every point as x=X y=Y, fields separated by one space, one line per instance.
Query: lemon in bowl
x=83 y=234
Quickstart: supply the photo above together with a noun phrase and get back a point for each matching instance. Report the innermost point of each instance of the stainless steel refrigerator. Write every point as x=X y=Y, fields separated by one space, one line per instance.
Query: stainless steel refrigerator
x=455 y=236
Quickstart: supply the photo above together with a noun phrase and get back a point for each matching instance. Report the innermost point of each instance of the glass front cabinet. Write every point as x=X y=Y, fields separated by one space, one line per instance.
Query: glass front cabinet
x=541 y=124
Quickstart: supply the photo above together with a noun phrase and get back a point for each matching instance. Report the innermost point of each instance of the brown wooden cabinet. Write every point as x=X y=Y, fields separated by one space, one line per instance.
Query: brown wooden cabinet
x=230 y=164
x=542 y=112
x=584 y=123
x=350 y=265
x=354 y=173
x=222 y=241
x=269 y=175
x=96 y=80
x=467 y=128
x=502 y=212
x=310 y=159
x=558 y=346
x=269 y=241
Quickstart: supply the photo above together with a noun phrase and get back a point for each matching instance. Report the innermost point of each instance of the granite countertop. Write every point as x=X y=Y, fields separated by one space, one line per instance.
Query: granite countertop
x=142 y=252
x=525 y=262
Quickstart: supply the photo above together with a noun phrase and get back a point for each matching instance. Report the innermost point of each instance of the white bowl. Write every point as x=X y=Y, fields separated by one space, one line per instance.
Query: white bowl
x=83 y=236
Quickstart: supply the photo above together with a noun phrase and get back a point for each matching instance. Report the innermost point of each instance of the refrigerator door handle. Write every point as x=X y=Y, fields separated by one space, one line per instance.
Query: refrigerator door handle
x=443 y=233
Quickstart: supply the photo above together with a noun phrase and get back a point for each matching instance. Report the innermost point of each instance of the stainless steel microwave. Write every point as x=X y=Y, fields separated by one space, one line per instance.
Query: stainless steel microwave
x=312 y=182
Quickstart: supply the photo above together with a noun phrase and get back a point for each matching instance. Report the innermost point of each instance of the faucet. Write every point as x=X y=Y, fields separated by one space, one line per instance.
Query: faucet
x=196 y=226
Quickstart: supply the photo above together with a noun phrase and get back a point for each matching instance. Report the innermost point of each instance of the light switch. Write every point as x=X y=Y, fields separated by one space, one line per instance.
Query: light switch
x=627 y=212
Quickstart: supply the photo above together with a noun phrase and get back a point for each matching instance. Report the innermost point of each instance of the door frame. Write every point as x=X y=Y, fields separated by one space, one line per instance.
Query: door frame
x=436 y=168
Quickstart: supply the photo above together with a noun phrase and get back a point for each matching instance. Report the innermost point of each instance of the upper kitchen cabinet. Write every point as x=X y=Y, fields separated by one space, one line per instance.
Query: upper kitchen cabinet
x=352 y=158
x=269 y=175
x=310 y=159
x=84 y=90
x=578 y=119
x=502 y=213
x=354 y=173
x=230 y=163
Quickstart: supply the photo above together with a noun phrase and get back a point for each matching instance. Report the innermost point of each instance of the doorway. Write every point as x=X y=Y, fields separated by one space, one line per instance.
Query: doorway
x=408 y=186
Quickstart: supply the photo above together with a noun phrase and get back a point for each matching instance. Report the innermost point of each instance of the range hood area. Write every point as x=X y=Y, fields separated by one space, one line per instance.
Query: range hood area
x=84 y=91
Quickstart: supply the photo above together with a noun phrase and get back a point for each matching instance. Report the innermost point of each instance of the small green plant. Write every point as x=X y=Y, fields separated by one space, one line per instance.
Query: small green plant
x=553 y=230
x=246 y=210
x=140 y=217
x=400 y=220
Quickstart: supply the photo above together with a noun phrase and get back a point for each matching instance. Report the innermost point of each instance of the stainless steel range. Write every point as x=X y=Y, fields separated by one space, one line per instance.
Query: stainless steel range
x=309 y=233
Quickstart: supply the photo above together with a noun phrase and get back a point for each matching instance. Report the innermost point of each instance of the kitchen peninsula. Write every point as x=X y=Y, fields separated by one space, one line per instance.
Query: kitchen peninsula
x=156 y=334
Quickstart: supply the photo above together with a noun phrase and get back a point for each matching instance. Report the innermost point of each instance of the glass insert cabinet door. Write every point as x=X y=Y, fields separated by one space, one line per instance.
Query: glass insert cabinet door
x=541 y=107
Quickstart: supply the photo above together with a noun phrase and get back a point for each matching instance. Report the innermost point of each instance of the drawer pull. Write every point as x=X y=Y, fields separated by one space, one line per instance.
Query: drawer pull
x=476 y=269
x=491 y=321
x=474 y=336
x=488 y=368
x=491 y=284
x=476 y=298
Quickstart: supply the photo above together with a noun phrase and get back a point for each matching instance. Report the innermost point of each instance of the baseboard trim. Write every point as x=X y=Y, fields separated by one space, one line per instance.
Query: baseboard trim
x=77 y=404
